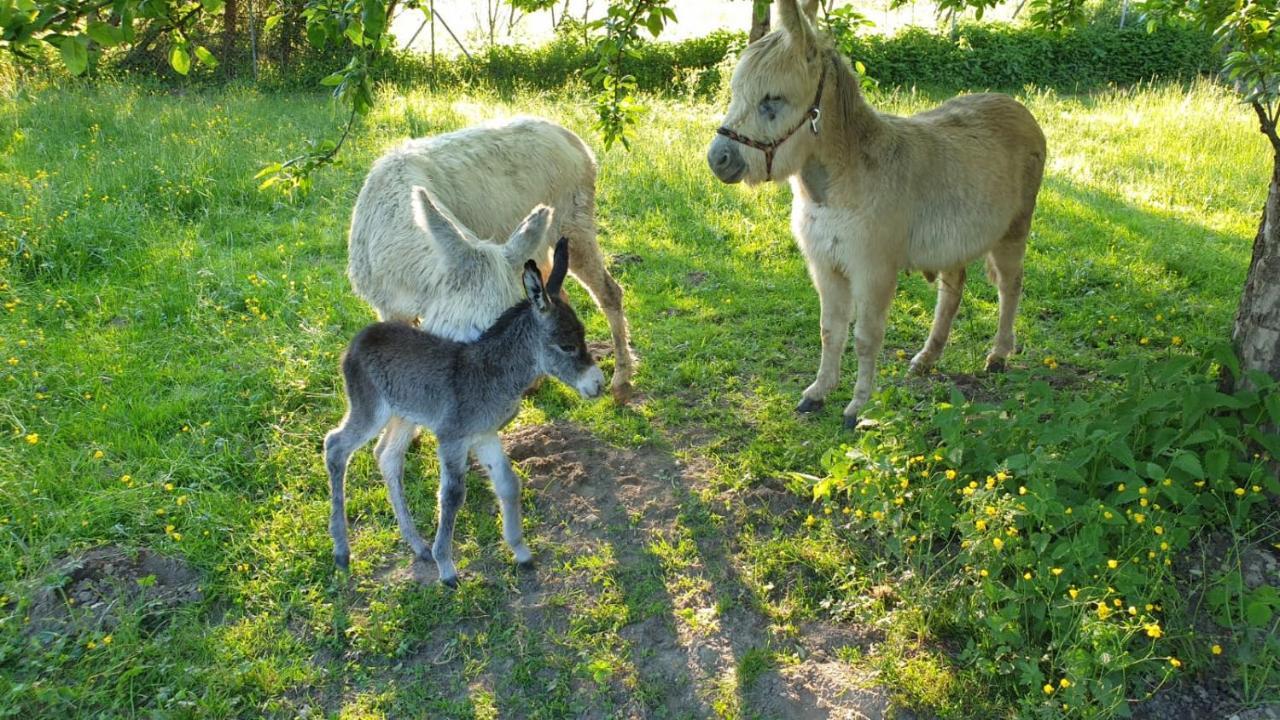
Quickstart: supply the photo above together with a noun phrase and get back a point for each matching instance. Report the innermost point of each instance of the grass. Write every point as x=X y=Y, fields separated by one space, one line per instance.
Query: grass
x=171 y=337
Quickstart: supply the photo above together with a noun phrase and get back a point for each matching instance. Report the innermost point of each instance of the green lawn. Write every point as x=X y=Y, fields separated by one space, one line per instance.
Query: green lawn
x=171 y=334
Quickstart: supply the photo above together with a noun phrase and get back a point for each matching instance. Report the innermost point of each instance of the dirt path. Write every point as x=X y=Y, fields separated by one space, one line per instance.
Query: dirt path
x=623 y=534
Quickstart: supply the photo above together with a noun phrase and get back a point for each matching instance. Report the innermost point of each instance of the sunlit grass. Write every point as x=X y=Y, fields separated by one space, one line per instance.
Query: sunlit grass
x=159 y=310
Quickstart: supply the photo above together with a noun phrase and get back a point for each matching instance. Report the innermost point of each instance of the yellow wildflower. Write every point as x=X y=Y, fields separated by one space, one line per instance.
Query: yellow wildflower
x=951 y=474
x=1073 y=593
x=33 y=438
x=997 y=543
x=1064 y=683
x=1216 y=649
x=1175 y=662
x=1153 y=630
x=1113 y=564
x=1056 y=571
x=1048 y=689
x=97 y=454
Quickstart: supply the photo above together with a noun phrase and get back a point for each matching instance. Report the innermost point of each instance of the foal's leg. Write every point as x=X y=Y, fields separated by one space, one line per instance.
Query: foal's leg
x=950 y=287
x=390 y=452
x=361 y=425
x=587 y=265
x=506 y=485
x=836 y=297
x=1005 y=262
x=453 y=491
x=873 y=294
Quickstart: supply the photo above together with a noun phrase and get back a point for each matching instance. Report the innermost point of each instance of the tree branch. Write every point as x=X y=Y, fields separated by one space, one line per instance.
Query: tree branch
x=1267 y=124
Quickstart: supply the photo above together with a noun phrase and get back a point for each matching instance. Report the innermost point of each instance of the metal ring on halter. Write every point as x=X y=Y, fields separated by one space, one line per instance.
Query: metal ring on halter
x=811 y=116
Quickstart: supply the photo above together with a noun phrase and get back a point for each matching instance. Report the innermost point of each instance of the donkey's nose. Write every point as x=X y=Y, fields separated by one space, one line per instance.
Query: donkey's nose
x=725 y=160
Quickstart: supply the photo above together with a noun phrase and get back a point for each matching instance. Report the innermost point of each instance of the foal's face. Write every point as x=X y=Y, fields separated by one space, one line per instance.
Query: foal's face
x=772 y=88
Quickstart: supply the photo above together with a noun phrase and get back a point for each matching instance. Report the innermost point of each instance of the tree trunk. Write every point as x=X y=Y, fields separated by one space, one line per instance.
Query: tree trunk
x=229 y=11
x=1256 y=335
x=759 y=20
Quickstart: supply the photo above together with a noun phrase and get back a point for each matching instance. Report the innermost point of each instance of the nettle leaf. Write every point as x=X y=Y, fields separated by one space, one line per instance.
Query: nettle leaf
x=1189 y=464
x=75 y=53
x=1258 y=614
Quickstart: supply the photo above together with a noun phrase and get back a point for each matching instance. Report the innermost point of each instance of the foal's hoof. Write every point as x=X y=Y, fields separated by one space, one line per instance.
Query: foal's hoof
x=997 y=364
x=850 y=422
x=343 y=561
x=808 y=405
x=451 y=582
x=527 y=566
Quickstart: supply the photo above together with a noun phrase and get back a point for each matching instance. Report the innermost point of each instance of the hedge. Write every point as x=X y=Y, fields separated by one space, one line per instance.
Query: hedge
x=989 y=55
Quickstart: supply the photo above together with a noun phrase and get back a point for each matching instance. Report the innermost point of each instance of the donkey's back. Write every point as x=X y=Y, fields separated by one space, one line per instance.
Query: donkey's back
x=486 y=179
x=978 y=163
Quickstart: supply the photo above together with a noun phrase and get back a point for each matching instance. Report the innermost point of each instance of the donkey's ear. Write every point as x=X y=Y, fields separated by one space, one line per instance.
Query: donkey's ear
x=798 y=23
x=559 y=266
x=443 y=233
x=528 y=239
x=533 y=288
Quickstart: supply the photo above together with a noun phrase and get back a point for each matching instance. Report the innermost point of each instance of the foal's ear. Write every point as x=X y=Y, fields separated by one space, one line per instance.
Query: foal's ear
x=559 y=266
x=533 y=288
x=798 y=22
x=529 y=238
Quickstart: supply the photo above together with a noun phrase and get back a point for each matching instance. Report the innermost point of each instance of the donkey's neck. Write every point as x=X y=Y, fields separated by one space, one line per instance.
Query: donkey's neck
x=854 y=129
x=506 y=353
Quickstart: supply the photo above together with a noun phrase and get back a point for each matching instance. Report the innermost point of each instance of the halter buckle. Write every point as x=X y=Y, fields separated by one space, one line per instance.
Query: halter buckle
x=814 y=116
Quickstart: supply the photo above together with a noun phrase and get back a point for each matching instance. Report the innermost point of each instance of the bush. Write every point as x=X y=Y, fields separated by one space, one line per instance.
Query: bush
x=1059 y=519
x=990 y=55
x=995 y=55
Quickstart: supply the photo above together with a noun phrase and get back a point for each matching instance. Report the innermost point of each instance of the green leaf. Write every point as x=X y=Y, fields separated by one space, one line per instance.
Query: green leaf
x=205 y=57
x=274 y=167
x=333 y=80
x=1189 y=464
x=274 y=20
x=75 y=54
x=180 y=60
x=1258 y=614
x=374 y=18
x=212 y=6
x=104 y=34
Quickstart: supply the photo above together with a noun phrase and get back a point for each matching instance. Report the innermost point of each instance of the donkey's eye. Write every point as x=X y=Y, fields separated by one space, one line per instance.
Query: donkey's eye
x=568 y=349
x=769 y=105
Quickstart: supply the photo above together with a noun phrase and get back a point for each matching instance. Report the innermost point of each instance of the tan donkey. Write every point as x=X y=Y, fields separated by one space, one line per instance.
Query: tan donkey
x=876 y=194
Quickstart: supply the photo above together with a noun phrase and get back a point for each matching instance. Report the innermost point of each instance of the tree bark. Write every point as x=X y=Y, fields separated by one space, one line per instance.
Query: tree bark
x=1256 y=335
x=759 y=20
x=229 y=19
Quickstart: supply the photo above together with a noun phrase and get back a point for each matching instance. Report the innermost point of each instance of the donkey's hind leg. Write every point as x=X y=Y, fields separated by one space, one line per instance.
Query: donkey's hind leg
x=453 y=492
x=587 y=265
x=1004 y=266
x=950 y=288
x=506 y=485
x=361 y=425
x=390 y=452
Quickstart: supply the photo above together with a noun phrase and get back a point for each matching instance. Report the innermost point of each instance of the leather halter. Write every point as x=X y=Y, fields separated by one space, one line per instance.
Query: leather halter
x=769 y=148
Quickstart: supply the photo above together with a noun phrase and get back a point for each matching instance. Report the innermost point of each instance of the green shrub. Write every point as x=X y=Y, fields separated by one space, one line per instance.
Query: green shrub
x=996 y=55
x=1059 y=517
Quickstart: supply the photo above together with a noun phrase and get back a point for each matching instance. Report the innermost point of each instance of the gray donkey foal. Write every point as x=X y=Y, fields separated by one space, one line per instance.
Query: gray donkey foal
x=464 y=392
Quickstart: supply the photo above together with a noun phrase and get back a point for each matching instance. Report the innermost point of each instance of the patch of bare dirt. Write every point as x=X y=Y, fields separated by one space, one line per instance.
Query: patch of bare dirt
x=693 y=624
x=92 y=590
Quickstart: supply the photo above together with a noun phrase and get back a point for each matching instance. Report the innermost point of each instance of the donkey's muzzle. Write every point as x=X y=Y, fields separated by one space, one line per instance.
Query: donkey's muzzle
x=726 y=160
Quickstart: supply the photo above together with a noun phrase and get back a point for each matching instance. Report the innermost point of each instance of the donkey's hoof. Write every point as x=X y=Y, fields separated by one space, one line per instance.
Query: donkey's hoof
x=622 y=393
x=527 y=566
x=809 y=405
x=997 y=364
x=850 y=422
x=424 y=556
x=450 y=582
x=343 y=561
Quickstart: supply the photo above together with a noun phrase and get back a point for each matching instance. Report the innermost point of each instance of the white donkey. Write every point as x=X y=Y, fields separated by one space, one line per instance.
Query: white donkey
x=485 y=180
x=876 y=194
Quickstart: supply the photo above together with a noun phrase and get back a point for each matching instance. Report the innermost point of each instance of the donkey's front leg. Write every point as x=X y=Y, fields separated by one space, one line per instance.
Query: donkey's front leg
x=453 y=492
x=873 y=296
x=836 y=297
x=506 y=485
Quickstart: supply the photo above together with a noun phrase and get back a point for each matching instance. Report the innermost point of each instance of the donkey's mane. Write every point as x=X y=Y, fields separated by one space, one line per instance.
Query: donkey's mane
x=504 y=321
